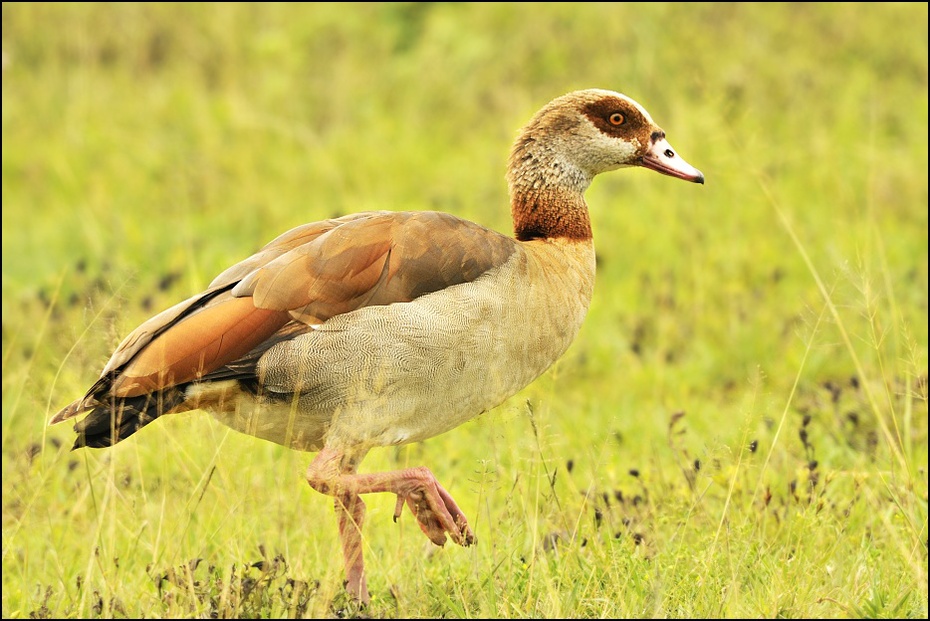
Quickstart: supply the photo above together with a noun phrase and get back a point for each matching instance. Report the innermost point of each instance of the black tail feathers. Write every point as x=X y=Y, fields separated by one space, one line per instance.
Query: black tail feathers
x=115 y=419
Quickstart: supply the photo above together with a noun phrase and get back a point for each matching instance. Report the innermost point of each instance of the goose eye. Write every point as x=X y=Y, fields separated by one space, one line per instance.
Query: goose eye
x=616 y=119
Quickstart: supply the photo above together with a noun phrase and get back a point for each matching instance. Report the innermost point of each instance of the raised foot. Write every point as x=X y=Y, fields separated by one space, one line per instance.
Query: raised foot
x=333 y=472
x=435 y=510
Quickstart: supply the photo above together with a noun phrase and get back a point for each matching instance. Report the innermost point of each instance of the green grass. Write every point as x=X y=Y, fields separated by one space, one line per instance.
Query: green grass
x=740 y=429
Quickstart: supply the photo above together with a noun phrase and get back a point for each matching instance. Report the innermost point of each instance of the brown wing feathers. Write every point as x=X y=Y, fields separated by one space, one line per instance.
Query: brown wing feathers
x=285 y=242
x=308 y=274
x=334 y=274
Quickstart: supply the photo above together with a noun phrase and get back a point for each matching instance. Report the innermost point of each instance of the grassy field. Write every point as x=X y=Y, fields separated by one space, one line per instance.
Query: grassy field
x=740 y=429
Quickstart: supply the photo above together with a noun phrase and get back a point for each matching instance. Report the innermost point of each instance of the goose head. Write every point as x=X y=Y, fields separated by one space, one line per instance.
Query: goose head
x=567 y=143
x=593 y=131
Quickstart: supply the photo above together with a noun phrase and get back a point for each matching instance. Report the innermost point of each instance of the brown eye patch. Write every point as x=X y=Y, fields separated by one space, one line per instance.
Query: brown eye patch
x=618 y=118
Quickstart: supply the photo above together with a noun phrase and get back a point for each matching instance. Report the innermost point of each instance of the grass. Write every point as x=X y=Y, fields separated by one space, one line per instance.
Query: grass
x=740 y=429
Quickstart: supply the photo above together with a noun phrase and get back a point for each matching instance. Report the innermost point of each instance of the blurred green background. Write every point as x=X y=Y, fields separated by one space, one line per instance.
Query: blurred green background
x=782 y=306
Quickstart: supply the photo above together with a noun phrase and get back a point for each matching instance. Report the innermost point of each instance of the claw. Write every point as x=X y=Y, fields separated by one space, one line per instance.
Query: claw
x=398 y=508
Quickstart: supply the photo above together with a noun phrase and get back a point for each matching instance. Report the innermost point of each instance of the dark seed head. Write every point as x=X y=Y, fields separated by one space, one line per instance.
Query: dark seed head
x=165 y=282
x=32 y=450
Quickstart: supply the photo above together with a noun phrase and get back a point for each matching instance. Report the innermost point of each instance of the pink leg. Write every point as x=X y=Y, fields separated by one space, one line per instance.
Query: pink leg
x=333 y=472
x=350 y=509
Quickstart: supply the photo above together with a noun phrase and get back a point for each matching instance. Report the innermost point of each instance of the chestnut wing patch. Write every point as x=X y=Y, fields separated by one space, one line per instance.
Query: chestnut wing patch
x=380 y=259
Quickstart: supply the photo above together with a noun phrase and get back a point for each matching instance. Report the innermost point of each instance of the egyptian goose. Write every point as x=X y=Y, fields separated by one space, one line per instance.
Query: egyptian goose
x=384 y=328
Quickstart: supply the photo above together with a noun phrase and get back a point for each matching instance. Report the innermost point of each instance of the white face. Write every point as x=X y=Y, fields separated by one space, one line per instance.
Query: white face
x=603 y=152
x=620 y=133
x=608 y=146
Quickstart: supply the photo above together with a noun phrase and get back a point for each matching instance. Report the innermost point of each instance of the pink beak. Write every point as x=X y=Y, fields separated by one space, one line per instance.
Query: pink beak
x=662 y=158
